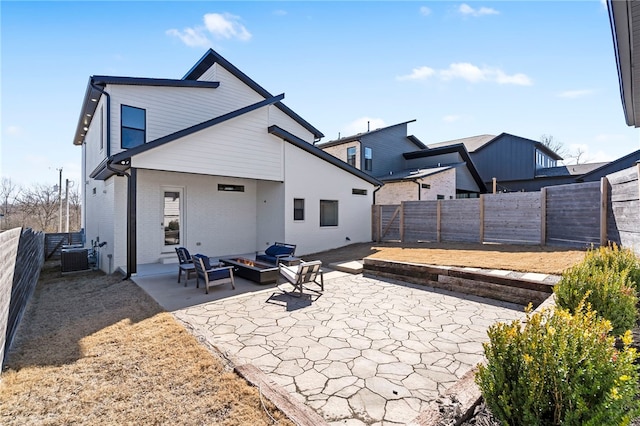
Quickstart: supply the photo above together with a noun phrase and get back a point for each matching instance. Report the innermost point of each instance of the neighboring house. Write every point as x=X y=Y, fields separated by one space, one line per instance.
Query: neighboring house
x=512 y=160
x=432 y=174
x=212 y=162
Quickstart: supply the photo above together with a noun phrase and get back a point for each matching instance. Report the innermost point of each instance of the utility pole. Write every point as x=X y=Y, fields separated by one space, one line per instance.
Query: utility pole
x=66 y=196
x=60 y=201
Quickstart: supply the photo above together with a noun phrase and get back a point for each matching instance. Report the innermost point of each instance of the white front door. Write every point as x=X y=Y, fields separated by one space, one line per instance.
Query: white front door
x=172 y=218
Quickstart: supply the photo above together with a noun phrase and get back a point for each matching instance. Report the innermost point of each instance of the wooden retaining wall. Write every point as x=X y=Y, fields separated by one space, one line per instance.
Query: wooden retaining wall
x=22 y=252
x=623 y=218
x=515 y=290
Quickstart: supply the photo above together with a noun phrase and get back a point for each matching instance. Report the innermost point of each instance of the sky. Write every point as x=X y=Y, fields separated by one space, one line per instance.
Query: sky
x=459 y=68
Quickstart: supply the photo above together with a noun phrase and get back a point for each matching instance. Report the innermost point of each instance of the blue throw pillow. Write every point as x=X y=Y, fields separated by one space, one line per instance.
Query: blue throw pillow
x=271 y=251
x=205 y=260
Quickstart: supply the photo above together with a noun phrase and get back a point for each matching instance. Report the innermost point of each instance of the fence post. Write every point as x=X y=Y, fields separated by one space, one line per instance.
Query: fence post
x=401 y=225
x=438 y=216
x=481 y=218
x=543 y=216
x=604 y=195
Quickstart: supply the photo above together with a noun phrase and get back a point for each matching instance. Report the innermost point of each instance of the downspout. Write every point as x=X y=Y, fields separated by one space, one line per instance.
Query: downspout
x=419 y=189
x=131 y=227
x=374 y=193
x=99 y=89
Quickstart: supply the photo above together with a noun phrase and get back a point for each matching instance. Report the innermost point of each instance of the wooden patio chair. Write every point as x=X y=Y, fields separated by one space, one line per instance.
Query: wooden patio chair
x=301 y=275
x=212 y=276
x=185 y=264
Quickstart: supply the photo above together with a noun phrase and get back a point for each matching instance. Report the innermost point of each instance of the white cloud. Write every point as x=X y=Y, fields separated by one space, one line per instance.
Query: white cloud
x=418 y=74
x=226 y=26
x=573 y=94
x=470 y=73
x=360 y=125
x=220 y=26
x=14 y=131
x=425 y=11
x=467 y=10
x=280 y=12
x=451 y=118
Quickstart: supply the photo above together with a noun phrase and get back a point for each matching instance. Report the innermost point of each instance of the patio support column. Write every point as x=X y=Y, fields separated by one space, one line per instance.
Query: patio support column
x=132 y=185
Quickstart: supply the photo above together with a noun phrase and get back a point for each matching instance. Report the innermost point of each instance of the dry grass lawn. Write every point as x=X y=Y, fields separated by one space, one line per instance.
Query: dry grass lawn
x=94 y=349
x=545 y=260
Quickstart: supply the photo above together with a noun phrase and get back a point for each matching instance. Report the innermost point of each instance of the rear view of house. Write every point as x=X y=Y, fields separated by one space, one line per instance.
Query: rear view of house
x=212 y=162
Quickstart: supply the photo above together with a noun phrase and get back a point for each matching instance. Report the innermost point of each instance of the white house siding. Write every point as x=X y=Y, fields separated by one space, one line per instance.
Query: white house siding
x=314 y=179
x=99 y=218
x=279 y=118
x=240 y=147
x=443 y=183
x=232 y=93
x=213 y=222
x=270 y=220
x=94 y=154
x=340 y=151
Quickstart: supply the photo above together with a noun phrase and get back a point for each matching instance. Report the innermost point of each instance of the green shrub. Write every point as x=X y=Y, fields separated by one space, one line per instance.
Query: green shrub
x=607 y=289
x=616 y=258
x=557 y=369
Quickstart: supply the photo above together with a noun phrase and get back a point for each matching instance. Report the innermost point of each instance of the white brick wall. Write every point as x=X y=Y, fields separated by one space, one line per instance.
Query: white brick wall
x=340 y=151
x=443 y=183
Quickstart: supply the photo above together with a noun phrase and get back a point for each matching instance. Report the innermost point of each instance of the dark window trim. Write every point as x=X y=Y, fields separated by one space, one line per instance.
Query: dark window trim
x=230 y=188
x=368 y=159
x=123 y=127
x=351 y=159
x=358 y=191
x=298 y=212
x=333 y=202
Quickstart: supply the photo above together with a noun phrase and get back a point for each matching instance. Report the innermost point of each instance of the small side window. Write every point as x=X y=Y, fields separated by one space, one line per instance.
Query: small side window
x=328 y=213
x=133 y=126
x=298 y=209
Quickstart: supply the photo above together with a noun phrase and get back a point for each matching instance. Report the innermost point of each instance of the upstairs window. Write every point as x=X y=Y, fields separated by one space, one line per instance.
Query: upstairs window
x=133 y=126
x=368 y=159
x=351 y=156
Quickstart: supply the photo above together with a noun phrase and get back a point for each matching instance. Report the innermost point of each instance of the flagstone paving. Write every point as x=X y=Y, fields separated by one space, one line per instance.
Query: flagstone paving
x=365 y=352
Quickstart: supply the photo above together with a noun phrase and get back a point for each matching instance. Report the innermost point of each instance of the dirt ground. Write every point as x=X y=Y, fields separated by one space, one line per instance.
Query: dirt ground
x=545 y=260
x=96 y=349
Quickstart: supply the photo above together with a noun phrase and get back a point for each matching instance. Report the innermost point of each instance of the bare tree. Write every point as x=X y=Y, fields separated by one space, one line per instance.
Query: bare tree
x=554 y=145
x=74 y=209
x=579 y=156
x=8 y=193
x=40 y=205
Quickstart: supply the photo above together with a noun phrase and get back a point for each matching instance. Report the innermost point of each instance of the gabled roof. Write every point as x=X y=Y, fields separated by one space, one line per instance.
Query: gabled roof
x=570 y=170
x=621 y=163
x=411 y=174
x=477 y=143
x=213 y=57
x=312 y=149
x=471 y=144
x=122 y=160
x=358 y=136
x=449 y=149
x=97 y=83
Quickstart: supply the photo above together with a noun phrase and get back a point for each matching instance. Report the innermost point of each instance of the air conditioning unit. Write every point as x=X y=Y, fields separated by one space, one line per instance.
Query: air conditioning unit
x=74 y=259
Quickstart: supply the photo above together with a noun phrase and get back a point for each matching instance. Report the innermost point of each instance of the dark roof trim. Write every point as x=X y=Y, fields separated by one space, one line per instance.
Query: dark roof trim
x=138 y=81
x=312 y=149
x=93 y=93
x=417 y=142
x=360 y=135
x=539 y=145
x=450 y=149
x=212 y=57
x=619 y=160
x=125 y=155
x=621 y=21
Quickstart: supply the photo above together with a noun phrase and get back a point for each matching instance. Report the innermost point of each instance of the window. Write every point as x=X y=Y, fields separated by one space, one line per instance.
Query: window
x=101 y=128
x=368 y=159
x=298 y=209
x=133 y=126
x=440 y=197
x=351 y=156
x=425 y=186
x=230 y=188
x=328 y=213
x=356 y=191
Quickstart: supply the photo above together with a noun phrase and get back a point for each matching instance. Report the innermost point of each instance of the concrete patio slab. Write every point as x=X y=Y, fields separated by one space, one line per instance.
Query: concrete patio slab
x=364 y=352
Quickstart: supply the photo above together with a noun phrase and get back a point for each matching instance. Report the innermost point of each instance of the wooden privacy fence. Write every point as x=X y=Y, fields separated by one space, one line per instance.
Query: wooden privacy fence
x=53 y=243
x=22 y=254
x=575 y=215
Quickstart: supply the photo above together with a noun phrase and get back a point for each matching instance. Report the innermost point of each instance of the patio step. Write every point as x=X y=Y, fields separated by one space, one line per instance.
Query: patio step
x=168 y=258
x=350 y=267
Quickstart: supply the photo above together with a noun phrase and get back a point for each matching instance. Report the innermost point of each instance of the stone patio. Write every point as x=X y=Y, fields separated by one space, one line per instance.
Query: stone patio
x=365 y=352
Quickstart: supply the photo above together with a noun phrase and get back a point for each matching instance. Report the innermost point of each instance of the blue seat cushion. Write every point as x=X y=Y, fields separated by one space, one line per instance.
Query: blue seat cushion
x=218 y=275
x=278 y=251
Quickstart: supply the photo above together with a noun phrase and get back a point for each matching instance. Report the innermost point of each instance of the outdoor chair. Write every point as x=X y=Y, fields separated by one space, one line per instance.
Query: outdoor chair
x=185 y=264
x=302 y=274
x=275 y=252
x=211 y=276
